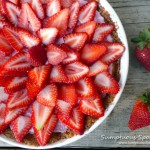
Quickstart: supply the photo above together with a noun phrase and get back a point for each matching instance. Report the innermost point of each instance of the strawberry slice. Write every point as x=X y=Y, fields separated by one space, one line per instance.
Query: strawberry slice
x=17 y=63
x=28 y=39
x=48 y=35
x=75 y=122
x=64 y=108
x=85 y=87
x=59 y=21
x=38 y=8
x=102 y=31
x=53 y=7
x=15 y=1
x=76 y=71
x=12 y=114
x=48 y=95
x=4 y=45
x=74 y=13
x=88 y=27
x=4 y=79
x=2 y=117
x=11 y=35
x=3 y=95
x=115 y=50
x=92 y=52
x=93 y=107
x=76 y=40
x=12 y=11
x=15 y=84
x=18 y=99
x=39 y=75
x=72 y=56
x=36 y=56
x=32 y=89
x=55 y=54
x=67 y=92
x=66 y=3
x=87 y=12
x=40 y=115
x=21 y=127
x=2 y=8
x=97 y=68
x=28 y=19
x=106 y=83
x=58 y=74
x=44 y=135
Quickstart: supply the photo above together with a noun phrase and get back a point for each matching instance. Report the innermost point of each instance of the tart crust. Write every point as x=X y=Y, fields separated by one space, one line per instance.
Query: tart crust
x=89 y=121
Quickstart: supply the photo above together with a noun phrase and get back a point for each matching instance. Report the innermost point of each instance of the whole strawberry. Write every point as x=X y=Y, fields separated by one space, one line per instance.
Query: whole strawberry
x=142 y=50
x=140 y=116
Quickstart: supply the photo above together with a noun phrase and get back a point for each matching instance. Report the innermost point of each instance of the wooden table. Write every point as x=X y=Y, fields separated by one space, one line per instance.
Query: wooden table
x=135 y=15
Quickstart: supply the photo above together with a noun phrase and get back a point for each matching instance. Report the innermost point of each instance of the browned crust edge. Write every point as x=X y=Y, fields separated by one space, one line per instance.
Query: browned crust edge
x=89 y=121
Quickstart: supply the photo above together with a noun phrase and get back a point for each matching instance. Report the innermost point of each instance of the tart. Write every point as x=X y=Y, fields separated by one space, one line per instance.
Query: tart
x=59 y=70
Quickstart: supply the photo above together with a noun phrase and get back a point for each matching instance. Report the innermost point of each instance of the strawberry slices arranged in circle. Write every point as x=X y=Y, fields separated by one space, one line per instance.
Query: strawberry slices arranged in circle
x=54 y=66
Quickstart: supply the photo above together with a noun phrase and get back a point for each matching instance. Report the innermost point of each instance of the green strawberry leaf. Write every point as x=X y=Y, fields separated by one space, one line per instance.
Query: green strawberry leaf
x=141 y=45
x=136 y=40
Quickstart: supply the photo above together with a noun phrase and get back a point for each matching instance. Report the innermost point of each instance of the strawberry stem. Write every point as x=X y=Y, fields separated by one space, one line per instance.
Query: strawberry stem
x=146 y=99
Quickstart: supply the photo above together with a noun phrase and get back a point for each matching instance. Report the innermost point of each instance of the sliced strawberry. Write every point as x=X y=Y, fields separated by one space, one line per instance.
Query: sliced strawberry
x=2 y=8
x=32 y=89
x=67 y=92
x=48 y=95
x=85 y=87
x=97 y=68
x=106 y=83
x=28 y=39
x=92 y=52
x=3 y=23
x=28 y=19
x=75 y=122
x=11 y=35
x=39 y=75
x=48 y=35
x=4 y=45
x=3 y=95
x=14 y=113
x=58 y=74
x=76 y=71
x=55 y=54
x=92 y=107
x=66 y=3
x=40 y=115
x=4 y=79
x=88 y=27
x=87 y=12
x=36 y=56
x=15 y=84
x=2 y=117
x=72 y=56
x=17 y=63
x=74 y=13
x=64 y=108
x=102 y=31
x=44 y=135
x=115 y=50
x=15 y=1
x=21 y=127
x=59 y=21
x=53 y=7
x=76 y=40
x=18 y=99
x=38 y=8
x=12 y=11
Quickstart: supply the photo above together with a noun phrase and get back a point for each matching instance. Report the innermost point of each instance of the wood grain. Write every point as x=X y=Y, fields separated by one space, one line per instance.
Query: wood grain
x=135 y=15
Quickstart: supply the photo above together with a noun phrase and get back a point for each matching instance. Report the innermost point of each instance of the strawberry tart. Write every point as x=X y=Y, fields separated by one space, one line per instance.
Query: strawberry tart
x=59 y=68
